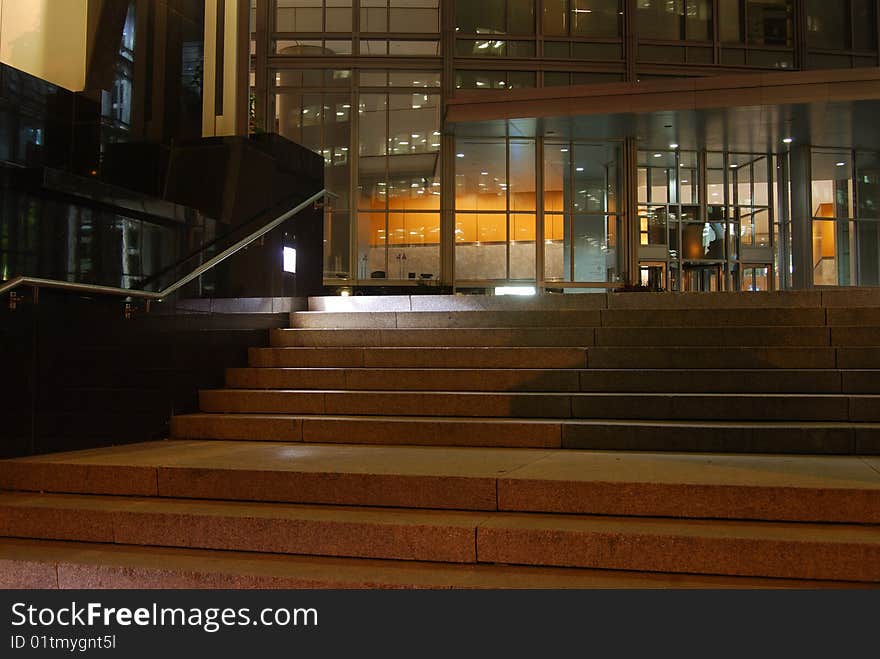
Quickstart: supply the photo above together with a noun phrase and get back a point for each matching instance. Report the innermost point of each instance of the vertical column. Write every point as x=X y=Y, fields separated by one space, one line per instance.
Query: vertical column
x=630 y=233
x=225 y=94
x=630 y=46
x=539 y=213
x=261 y=67
x=447 y=147
x=801 y=217
x=799 y=30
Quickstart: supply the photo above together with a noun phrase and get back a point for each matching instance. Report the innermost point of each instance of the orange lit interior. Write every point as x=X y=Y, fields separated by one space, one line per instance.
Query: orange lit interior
x=416 y=220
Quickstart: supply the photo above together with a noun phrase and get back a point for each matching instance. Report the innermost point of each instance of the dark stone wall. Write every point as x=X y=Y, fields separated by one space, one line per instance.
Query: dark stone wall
x=76 y=374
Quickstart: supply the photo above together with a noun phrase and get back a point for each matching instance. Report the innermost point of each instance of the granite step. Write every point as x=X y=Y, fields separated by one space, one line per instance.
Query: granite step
x=728 y=300
x=753 y=549
x=743 y=357
x=445 y=319
x=442 y=357
x=578 y=336
x=715 y=336
x=714 y=317
x=628 y=357
x=615 y=434
x=631 y=317
x=555 y=405
x=512 y=337
x=830 y=381
x=385 y=430
x=721 y=486
x=30 y=564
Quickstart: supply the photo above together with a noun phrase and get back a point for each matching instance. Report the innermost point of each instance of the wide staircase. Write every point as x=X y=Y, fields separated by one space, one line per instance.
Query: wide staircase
x=588 y=441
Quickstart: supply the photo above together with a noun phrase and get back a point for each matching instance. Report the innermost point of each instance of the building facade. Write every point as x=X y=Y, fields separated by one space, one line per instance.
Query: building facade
x=425 y=201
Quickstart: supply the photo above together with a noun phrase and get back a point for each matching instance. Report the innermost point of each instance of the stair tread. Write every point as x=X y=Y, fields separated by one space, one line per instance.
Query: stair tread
x=723 y=529
x=603 y=466
x=55 y=564
x=578 y=394
x=533 y=421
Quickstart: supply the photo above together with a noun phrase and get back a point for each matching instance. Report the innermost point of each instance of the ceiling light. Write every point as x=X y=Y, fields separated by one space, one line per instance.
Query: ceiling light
x=673 y=146
x=658 y=155
x=459 y=155
x=484 y=173
x=579 y=169
x=841 y=164
x=788 y=140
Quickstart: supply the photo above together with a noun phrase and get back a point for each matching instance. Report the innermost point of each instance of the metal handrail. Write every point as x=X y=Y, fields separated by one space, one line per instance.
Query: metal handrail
x=37 y=282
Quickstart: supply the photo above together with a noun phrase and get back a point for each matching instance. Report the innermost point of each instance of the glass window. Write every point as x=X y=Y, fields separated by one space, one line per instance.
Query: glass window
x=555 y=19
x=698 y=20
x=868 y=180
x=594 y=240
x=596 y=51
x=864 y=21
x=675 y=19
x=768 y=22
x=299 y=16
x=414 y=48
x=521 y=16
x=660 y=19
x=495 y=209
x=374 y=16
x=831 y=253
x=414 y=16
x=337 y=15
x=414 y=79
x=730 y=21
x=483 y=17
x=828 y=24
x=832 y=184
x=596 y=18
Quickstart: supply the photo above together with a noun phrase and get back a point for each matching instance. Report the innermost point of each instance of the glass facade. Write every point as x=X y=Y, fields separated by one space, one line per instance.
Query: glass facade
x=363 y=83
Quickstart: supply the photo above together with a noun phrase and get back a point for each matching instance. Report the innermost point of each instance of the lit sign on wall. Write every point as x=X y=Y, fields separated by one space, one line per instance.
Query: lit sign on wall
x=290 y=260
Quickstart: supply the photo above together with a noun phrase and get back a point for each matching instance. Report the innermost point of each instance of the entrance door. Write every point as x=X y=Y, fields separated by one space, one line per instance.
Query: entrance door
x=703 y=278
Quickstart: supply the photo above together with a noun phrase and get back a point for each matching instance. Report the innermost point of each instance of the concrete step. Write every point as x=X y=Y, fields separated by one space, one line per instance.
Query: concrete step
x=802 y=551
x=776 y=300
x=757 y=407
x=386 y=430
x=714 y=317
x=566 y=336
x=703 y=317
x=45 y=564
x=598 y=380
x=755 y=549
x=723 y=358
x=854 y=316
x=868 y=336
x=756 y=487
x=574 y=336
x=400 y=534
x=714 y=336
x=858 y=358
x=444 y=319
x=613 y=434
x=450 y=337
x=418 y=357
